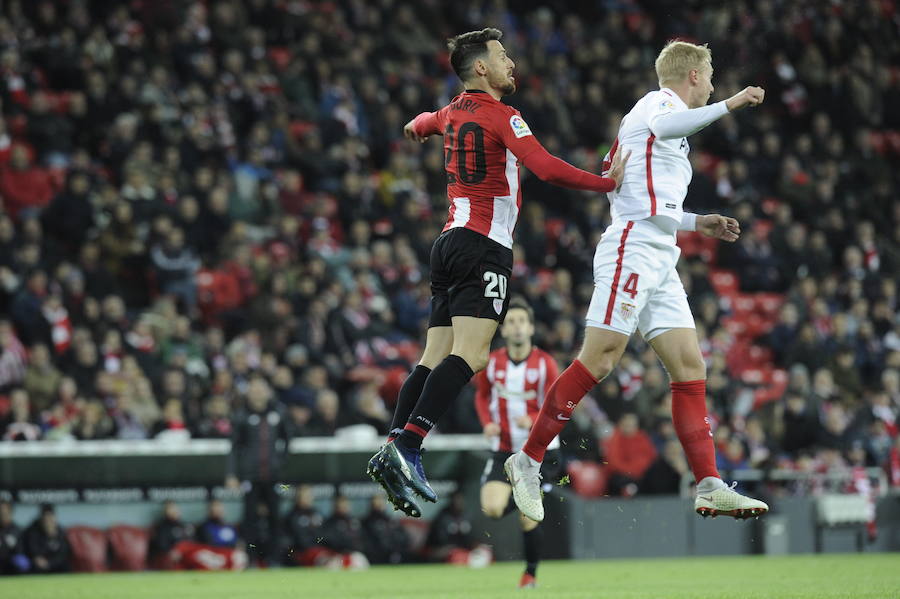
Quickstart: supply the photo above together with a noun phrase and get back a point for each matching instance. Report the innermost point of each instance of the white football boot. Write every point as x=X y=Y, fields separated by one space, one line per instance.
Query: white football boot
x=524 y=475
x=725 y=501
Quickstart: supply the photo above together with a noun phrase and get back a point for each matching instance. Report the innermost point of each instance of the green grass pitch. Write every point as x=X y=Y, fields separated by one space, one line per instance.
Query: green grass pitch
x=872 y=576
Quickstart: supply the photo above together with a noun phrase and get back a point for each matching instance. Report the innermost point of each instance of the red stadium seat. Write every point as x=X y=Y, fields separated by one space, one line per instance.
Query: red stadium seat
x=724 y=282
x=129 y=547
x=690 y=243
x=759 y=356
x=88 y=549
x=769 y=303
x=743 y=303
x=735 y=326
x=588 y=478
x=709 y=249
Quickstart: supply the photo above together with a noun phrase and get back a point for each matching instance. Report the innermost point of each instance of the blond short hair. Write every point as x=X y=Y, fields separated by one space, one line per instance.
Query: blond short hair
x=678 y=59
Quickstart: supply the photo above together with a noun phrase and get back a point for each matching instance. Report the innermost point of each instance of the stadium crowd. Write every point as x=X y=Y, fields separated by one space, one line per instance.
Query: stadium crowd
x=196 y=193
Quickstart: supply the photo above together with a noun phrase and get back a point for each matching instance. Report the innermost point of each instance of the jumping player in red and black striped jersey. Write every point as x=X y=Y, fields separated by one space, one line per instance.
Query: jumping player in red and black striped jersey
x=510 y=392
x=471 y=261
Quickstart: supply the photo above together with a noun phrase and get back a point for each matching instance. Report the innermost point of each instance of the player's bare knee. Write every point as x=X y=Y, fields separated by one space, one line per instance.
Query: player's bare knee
x=477 y=361
x=599 y=364
x=493 y=511
x=692 y=368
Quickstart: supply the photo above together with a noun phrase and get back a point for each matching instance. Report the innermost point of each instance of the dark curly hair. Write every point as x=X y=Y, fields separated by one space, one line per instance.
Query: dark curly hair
x=466 y=47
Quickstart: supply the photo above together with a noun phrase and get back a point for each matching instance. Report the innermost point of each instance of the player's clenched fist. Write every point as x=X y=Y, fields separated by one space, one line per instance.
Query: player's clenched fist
x=749 y=96
x=410 y=133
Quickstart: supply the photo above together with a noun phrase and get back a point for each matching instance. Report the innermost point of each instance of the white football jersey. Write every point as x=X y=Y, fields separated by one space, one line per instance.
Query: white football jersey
x=659 y=171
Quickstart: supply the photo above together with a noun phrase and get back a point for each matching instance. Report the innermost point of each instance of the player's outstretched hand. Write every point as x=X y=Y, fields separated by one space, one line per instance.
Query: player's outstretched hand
x=719 y=227
x=411 y=134
x=749 y=96
x=617 y=168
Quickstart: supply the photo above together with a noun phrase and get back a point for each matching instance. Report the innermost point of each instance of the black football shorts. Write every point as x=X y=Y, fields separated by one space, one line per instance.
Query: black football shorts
x=469 y=277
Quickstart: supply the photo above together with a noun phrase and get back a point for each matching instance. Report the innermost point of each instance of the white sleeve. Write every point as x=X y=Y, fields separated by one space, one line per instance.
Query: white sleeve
x=671 y=124
x=688 y=222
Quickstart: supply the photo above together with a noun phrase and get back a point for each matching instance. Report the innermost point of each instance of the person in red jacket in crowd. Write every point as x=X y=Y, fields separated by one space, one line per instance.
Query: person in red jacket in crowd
x=629 y=453
x=23 y=186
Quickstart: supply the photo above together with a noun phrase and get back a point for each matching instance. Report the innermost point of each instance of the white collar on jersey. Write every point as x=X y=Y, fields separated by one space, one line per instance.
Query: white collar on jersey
x=675 y=97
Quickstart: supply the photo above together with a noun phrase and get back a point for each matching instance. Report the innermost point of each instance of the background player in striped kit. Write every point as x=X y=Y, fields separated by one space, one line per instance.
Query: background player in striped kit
x=509 y=395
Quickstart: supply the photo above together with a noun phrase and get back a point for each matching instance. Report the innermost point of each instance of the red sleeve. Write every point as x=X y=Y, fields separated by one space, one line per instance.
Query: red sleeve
x=483 y=397
x=427 y=123
x=517 y=137
x=551 y=169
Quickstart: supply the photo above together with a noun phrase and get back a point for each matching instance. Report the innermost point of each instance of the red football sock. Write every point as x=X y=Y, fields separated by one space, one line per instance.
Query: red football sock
x=562 y=397
x=692 y=427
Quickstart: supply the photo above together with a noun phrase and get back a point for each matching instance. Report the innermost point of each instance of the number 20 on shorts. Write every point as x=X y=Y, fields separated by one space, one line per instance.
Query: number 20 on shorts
x=495 y=285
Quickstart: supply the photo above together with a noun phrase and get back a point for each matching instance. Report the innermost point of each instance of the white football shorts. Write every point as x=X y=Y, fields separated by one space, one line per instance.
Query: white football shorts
x=636 y=285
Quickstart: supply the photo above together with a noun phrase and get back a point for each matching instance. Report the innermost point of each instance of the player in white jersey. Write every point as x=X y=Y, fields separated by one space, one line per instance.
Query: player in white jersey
x=510 y=392
x=636 y=285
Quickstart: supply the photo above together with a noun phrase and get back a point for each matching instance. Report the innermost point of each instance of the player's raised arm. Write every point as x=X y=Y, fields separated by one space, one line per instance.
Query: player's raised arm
x=551 y=169
x=672 y=125
x=421 y=127
x=675 y=124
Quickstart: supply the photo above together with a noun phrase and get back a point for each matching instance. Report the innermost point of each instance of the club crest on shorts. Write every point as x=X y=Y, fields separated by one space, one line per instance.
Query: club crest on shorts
x=498 y=306
x=627 y=310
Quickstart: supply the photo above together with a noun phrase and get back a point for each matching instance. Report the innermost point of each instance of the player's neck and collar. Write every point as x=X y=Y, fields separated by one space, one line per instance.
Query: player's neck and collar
x=476 y=87
x=680 y=92
x=517 y=355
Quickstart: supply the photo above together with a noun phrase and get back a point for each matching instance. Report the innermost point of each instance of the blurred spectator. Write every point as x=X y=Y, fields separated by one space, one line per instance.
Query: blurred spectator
x=45 y=543
x=175 y=266
x=258 y=450
x=19 y=424
x=12 y=356
x=303 y=531
x=172 y=426
x=12 y=552
x=167 y=533
x=450 y=537
x=216 y=421
x=41 y=379
x=23 y=186
x=214 y=531
x=387 y=541
x=629 y=452
x=342 y=532
x=665 y=473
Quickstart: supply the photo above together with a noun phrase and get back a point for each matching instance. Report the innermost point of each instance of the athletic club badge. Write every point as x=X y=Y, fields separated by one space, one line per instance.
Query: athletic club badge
x=498 y=306
x=627 y=310
x=531 y=375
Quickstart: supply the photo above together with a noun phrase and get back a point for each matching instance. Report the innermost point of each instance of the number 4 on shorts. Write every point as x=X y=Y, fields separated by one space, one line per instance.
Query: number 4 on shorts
x=631 y=285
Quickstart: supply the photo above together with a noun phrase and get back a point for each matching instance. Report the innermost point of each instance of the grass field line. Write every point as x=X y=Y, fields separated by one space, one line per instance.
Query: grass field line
x=831 y=576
